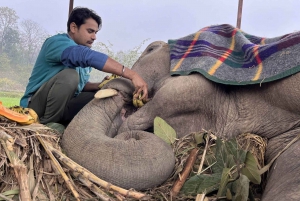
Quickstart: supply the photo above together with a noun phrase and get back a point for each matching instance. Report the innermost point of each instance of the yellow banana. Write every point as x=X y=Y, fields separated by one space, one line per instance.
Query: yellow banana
x=140 y=103
x=113 y=76
x=137 y=102
x=134 y=101
x=33 y=114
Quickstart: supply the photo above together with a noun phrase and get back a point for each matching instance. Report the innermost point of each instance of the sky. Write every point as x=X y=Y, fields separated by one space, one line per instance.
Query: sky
x=127 y=23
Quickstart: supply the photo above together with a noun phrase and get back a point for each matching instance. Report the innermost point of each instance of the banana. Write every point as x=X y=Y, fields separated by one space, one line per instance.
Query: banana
x=34 y=115
x=134 y=101
x=140 y=103
x=137 y=102
x=113 y=76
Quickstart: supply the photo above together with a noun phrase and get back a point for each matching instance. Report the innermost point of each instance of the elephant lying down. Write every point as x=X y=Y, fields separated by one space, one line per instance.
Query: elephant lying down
x=122 y=152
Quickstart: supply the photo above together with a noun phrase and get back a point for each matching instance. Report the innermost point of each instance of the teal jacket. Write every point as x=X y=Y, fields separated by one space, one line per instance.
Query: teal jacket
x=57 y=53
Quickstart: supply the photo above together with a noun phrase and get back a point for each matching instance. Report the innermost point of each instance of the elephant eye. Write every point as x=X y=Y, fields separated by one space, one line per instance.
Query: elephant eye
x=150 y=49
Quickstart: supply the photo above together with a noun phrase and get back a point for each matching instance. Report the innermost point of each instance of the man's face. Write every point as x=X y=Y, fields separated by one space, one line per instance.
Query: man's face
x=86 y=34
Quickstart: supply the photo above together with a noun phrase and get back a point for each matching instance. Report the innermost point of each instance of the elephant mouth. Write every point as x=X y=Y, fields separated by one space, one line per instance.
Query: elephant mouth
x=129 y=106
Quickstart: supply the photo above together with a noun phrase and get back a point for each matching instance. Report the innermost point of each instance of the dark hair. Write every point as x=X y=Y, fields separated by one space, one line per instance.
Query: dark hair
x=80 y=14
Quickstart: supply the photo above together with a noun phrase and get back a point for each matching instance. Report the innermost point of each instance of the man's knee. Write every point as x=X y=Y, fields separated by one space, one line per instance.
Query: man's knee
x=68 y=76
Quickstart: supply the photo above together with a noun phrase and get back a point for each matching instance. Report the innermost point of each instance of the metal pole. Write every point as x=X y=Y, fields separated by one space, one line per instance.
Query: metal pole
x=71 y=6
x=239 y=15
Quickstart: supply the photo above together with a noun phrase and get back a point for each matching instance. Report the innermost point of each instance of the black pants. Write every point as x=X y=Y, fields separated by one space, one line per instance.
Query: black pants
x=55 y=101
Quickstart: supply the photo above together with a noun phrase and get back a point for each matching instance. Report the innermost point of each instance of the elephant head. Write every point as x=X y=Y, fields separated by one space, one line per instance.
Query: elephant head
x=132 y=159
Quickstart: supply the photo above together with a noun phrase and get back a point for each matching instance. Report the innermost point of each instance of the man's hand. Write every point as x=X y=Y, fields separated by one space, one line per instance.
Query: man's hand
x=141 y=88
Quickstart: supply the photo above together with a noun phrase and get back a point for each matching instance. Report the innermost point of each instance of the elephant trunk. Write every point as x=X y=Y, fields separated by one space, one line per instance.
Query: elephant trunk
x=133 y=159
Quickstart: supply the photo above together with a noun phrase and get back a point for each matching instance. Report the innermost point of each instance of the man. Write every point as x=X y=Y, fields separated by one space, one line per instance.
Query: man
x=58 y=86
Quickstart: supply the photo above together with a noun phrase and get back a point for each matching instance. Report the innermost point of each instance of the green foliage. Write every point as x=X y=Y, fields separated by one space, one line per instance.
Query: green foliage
x=202 y=184
x=163 y=130
x=251 y=170
x=232 y=167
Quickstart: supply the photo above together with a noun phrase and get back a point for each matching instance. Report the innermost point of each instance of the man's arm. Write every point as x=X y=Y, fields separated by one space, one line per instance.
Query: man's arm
x=83 y=56
x=91 y=86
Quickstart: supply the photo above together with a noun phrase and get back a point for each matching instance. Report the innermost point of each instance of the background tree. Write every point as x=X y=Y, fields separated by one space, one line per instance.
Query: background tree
x=32 y=38
x=8 y=22
x=126 y=58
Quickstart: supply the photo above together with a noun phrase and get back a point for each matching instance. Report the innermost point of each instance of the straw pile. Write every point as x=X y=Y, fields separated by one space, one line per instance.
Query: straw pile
x=32 y=167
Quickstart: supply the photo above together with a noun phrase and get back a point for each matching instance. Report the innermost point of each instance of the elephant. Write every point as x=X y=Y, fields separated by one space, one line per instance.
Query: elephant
x=115 y=141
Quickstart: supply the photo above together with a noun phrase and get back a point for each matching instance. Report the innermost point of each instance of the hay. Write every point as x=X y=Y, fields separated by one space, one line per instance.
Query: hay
x=45 y=181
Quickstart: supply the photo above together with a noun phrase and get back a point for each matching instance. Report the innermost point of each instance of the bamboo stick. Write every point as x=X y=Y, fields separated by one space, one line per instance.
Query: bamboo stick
x=204 y=153
x=21 y=175
x=97 y=191
x=19 y=168
x=185 y=173
x=59 y=168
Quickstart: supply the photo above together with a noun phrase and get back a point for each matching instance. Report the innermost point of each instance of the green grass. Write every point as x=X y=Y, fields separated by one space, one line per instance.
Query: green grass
x=9 y=99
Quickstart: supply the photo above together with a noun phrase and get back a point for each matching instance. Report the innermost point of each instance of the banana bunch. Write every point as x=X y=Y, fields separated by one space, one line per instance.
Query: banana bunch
x=32 y=116
x=137 y=102
x=106 y=80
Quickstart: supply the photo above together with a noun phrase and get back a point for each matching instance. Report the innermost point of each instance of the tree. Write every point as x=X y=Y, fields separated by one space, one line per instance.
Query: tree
x=32 y=37
x=127 y=57
x=11 y=44
x=8 y=22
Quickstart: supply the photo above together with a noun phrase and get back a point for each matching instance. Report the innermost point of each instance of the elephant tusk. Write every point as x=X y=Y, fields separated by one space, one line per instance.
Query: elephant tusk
x=104 y=93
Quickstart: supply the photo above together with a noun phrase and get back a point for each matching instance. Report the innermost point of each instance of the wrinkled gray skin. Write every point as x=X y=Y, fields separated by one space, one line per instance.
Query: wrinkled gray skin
x=189 y=104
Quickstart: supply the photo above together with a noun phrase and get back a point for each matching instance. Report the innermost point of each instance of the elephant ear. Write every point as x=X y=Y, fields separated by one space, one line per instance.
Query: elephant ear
x=163 y=130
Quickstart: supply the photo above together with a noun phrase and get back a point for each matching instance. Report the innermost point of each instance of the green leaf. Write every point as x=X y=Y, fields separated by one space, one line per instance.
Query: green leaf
x=10 y=193
x=163 y=130
x=221 y=157
x=233 y=148
x=199 y=138
x=201 y=184
x=251 y=169
x=242 y=188
x=228 y=194
x=223 y=183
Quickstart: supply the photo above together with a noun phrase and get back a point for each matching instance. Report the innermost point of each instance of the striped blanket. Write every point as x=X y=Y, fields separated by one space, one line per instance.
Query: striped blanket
x=225 y=54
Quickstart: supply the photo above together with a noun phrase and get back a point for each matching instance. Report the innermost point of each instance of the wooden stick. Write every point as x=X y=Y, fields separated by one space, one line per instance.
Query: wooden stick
x=19 y=168
x=36 y=188
x=204 y=153
x=93 y=178
x=185 y=173
x=21 y=174
x=97 y=191
x=59 y=168
x=202 y=161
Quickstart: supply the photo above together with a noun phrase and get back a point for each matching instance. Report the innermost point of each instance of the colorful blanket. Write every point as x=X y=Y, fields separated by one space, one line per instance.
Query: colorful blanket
x=227 y=55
